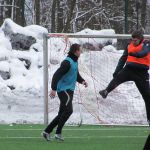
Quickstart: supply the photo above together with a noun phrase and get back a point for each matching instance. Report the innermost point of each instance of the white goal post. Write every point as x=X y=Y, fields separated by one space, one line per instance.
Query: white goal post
x=45 y=58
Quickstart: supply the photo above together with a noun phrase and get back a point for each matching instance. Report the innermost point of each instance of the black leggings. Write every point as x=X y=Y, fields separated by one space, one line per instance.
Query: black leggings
x=141 y=79
x=65 y=111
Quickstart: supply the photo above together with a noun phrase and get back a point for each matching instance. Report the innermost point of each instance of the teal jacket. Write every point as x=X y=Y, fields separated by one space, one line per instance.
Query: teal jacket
x=68 y=81
x=67 y=75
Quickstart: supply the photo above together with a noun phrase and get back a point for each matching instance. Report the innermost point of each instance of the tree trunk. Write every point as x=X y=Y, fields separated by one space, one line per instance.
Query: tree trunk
x=143 y=13
x=37 y=10
x=71 y=5
x=19 y=16
x=59 y=16
x=1 y=12
x=8 y=9
x=53 y=16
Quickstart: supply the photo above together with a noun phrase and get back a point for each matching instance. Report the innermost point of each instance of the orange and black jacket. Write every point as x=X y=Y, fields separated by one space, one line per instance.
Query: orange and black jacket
x=137 y=58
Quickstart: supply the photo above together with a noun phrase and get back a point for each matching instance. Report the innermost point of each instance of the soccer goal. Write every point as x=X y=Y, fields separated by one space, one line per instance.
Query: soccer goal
x=124 y=106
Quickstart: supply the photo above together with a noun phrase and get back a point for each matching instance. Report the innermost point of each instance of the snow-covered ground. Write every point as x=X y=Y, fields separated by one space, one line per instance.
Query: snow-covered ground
x=24 y=104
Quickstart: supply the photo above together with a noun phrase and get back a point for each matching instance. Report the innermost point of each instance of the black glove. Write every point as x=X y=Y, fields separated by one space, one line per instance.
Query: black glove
x=132 y=54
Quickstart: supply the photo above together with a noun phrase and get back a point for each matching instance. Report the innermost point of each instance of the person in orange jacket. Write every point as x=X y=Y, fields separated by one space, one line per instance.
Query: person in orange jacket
x=133 y=66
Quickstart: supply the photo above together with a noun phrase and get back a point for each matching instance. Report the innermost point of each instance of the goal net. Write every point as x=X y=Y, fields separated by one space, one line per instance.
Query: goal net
x=123 y=106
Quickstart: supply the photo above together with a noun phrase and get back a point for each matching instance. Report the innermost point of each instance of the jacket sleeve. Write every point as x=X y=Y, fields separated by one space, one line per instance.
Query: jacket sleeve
x=79 y=78
x=121 y=62
x=144 y=52
x=61 y=71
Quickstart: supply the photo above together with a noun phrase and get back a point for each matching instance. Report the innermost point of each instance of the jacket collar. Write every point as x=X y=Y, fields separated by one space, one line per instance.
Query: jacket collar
x=73 y=57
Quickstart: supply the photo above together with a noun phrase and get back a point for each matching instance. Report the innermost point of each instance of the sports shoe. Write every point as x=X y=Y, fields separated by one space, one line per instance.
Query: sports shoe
x=59 y=137
x=148 y=122
x=103 y=93
x=46 y=136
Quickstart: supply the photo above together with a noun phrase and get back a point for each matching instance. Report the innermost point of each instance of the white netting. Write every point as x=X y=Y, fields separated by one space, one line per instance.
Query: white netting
x=97 y=64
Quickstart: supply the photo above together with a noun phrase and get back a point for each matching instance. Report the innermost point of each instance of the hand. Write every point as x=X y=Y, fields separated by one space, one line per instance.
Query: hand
x=132 y=54
x=52 y=94
x=85 y=84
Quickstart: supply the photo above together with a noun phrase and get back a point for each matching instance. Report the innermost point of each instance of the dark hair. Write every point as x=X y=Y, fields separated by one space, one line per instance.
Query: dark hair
x=74 y=48
x=137 y=34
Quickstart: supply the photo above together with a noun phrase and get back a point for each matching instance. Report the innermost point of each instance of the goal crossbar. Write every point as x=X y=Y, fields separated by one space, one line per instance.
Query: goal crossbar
x=71 y=35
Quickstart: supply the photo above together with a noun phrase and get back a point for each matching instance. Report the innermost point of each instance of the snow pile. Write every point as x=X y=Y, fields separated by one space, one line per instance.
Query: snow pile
x=22 y=94
x=32 y=30
x=26 y=76
x=15 y=61
x=98 y=40
x=95 y=43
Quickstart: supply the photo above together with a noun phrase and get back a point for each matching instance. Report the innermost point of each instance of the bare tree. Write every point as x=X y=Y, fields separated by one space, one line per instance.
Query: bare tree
x=37 y=12
x=75 y=15
x=53 y=16
x=143 y=13
x=71 y=5
x=1 y=12
x=19 y=15
x=60 y=20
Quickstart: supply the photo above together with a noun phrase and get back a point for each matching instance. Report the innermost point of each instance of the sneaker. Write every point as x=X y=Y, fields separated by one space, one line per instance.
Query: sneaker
x=59 y=137
x=103 y=93
x=148 y=122
x=46 y=136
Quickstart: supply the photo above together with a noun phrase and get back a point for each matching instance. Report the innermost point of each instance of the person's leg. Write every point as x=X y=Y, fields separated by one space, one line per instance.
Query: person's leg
x=68 y=109
x=63 y=97
x=143 y=85
x=123 y=76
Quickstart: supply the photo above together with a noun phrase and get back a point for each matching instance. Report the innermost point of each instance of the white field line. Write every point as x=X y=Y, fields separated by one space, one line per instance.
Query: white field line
x=76 y=137
x=100 y=129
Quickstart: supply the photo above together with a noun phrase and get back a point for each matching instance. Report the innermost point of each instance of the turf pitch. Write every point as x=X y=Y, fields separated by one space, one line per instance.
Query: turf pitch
x=28 y=137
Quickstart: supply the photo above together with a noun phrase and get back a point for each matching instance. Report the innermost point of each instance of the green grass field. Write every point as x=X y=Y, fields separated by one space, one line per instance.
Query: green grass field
x=28 y=137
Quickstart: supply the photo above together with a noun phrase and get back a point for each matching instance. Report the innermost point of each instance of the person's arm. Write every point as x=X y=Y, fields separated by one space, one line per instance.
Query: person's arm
x=121 y=62
x=64 y=68
x=79 y=78
x=142 y=53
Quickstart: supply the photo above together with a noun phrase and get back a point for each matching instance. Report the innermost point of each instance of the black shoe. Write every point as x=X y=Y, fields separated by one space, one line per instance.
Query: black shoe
x=103 y=93
x=46 y=136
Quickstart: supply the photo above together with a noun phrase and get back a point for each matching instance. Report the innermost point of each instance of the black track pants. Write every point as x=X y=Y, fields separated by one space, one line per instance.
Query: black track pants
x=65 y=111
x=141 y=79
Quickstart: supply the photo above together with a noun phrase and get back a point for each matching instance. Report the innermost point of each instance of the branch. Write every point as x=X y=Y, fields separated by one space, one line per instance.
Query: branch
x=92 y=17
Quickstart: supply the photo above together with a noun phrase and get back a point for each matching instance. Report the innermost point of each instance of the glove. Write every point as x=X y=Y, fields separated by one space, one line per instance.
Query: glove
x=132 y=54
x=85 y=84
